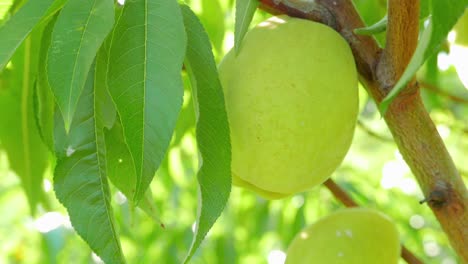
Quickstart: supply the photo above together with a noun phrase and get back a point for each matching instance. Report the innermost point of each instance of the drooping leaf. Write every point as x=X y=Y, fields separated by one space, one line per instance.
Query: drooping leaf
x=80 y=29
x=214 y=176
x=120 y=167
x=445 y=14
x=106 y=106
x=80 y=180
x=245 y=10
x=44 y=103
x=146 y=55
x=121 y=170
x=27 y=155
x=15 y=30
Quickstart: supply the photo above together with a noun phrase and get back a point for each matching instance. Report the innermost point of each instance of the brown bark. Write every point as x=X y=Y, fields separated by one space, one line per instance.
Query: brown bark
x=413 y=130
x=402 y=38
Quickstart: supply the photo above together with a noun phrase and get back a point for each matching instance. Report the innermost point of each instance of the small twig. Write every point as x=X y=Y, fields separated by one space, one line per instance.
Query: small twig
x=438 y=90
x=339 y=193
x=372 y=133
x=342 y=196
x=408 y=256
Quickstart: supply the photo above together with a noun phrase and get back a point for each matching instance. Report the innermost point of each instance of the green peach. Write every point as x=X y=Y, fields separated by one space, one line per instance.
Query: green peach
x=348 y=236
x=292 y=100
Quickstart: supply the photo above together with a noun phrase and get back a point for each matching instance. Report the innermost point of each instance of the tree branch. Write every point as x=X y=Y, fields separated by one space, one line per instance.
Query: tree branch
x=342 y=196
x=402 y=38
x=413 y=130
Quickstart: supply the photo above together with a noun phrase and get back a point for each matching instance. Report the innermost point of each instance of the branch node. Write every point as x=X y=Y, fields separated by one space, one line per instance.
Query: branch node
x=439 y=197
x=302 y=9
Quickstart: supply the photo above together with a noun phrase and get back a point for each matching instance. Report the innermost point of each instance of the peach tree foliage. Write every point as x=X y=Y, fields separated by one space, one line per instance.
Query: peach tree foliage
x=71 y=53
x=96 y=83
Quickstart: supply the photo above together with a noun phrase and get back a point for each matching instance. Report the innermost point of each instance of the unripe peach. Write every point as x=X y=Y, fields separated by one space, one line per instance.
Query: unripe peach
x=292 y=101
x=348 y=236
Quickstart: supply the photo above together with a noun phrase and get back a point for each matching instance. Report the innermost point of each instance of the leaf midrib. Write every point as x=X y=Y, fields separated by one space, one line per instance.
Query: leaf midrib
x=124 y=128
x=145 y=63
x=102 y=175
x=70 y=107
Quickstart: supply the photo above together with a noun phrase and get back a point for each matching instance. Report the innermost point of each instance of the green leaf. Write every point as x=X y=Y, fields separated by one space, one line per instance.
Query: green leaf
x=245 y=10
x=15 y=30
x=376 y=28
x=27 y=155
x=78 y=33
x=80 y=180
x=52 y=11
x=44 y=103
x=121 y=170
x=214 y=176
x=107 y=108
x=445 y=14
x=146 y=55
x=425 y=9
x=381 y=25
x=120 y=167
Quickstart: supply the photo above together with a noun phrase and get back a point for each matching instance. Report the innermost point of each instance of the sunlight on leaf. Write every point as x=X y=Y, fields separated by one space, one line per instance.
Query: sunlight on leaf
x=17 y=28
x=214 y=176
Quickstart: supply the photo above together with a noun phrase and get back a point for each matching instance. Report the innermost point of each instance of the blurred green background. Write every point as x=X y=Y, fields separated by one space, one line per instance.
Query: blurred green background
x=251 y=229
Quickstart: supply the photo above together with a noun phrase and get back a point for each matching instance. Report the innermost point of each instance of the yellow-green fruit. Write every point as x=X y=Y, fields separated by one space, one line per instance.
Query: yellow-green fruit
x=292 y=100
x=349 y=236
